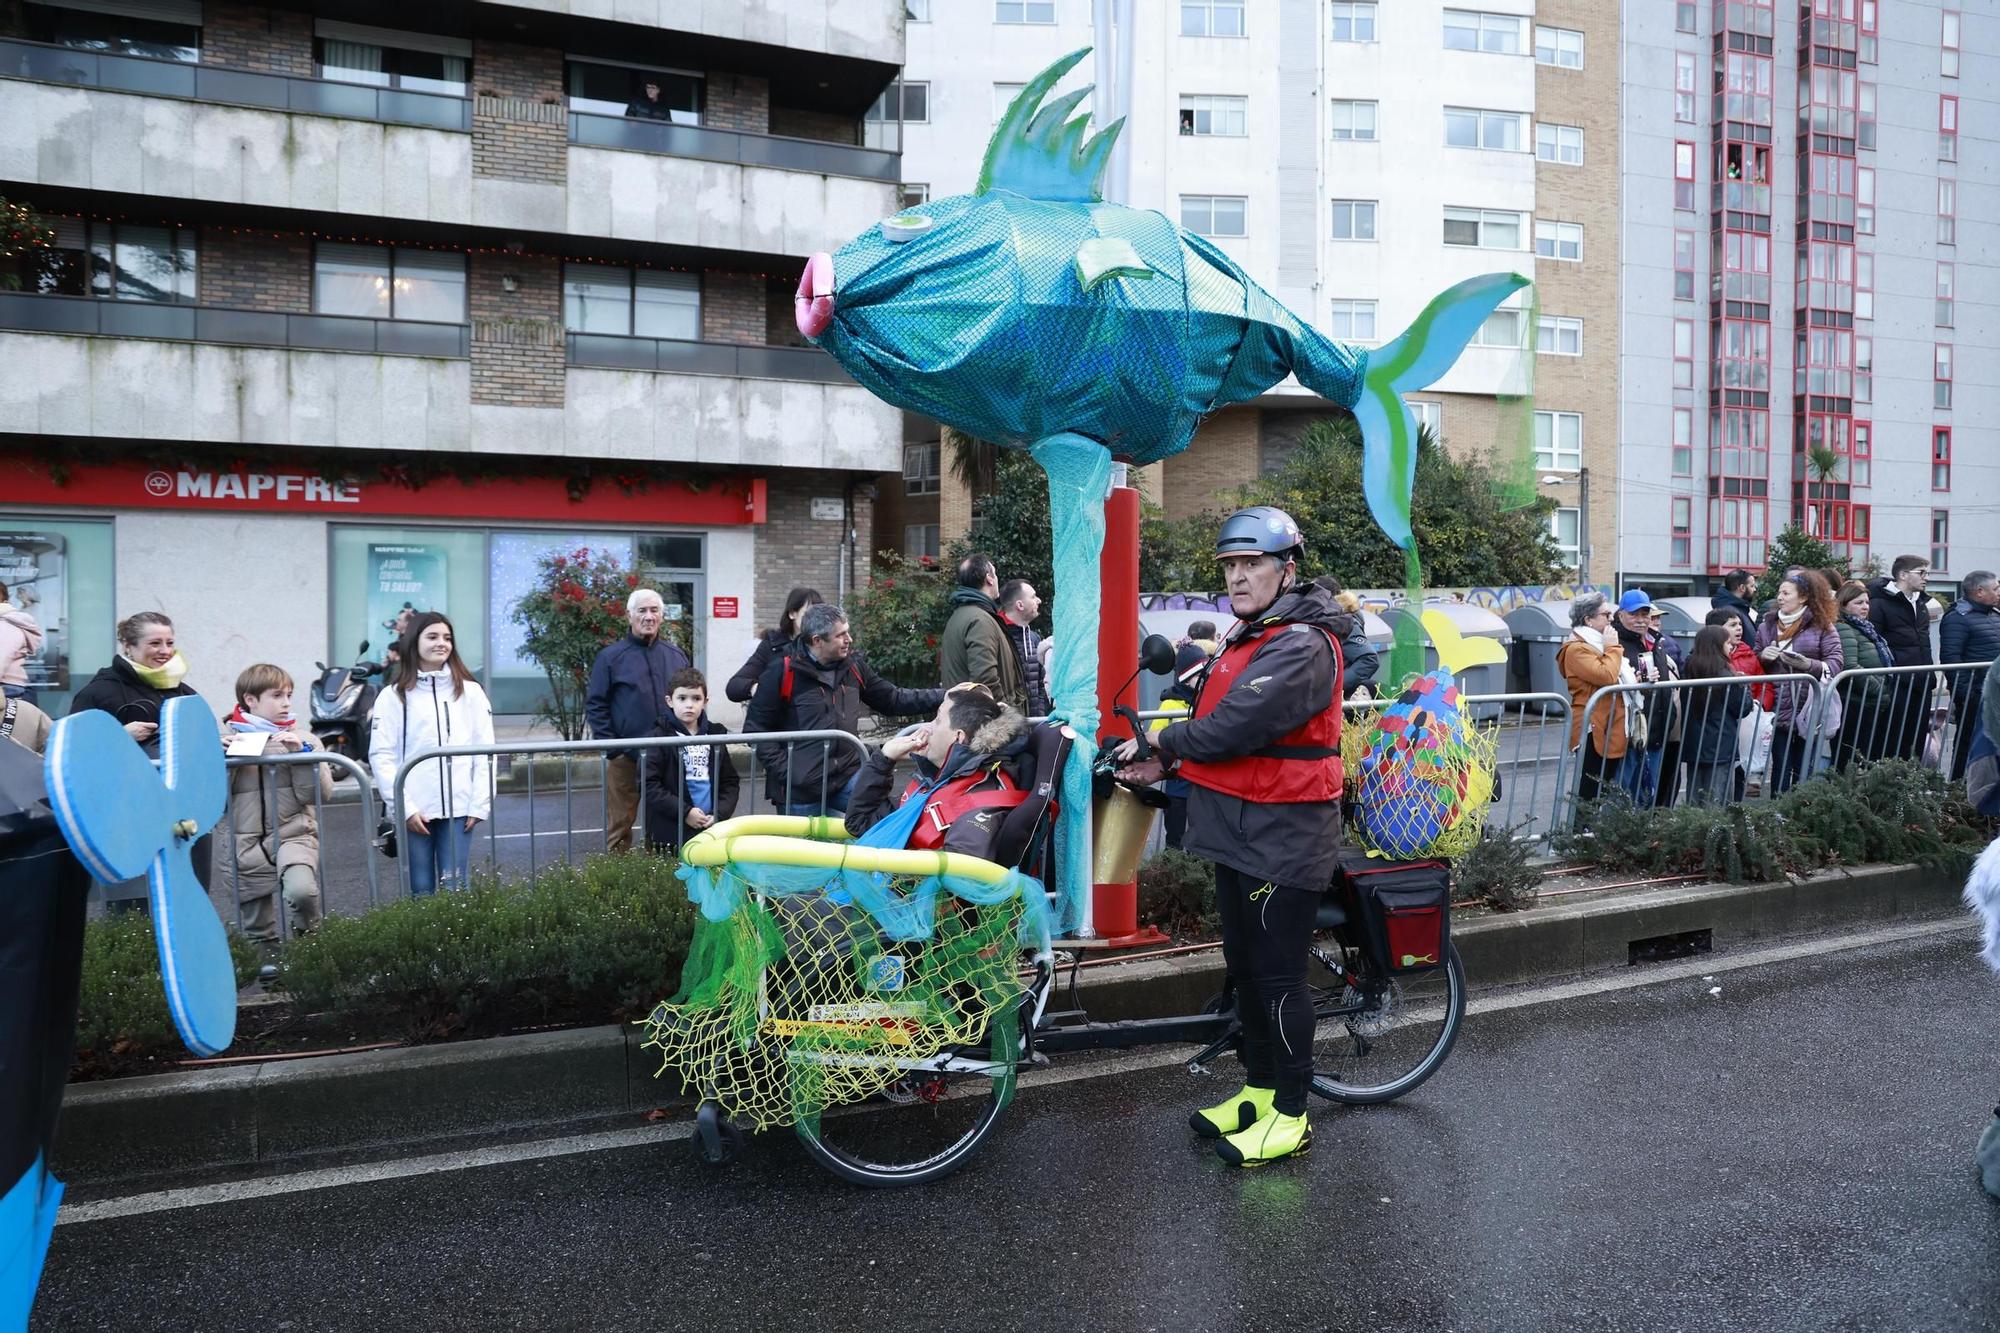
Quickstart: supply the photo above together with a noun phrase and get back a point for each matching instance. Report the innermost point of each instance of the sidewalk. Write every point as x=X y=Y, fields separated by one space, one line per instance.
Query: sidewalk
x=286 y=1113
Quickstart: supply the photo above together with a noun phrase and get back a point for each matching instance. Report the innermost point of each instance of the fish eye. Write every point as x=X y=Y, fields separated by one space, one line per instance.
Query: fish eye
x=905 y=227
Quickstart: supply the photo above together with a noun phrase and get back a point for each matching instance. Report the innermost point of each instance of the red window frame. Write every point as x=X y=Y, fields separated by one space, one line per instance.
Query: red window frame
x=1861 y=464
x=1951 y=28
x=1947 y=294
x=1941 y=376
x=1682 y=442
x=1940 y=540
x=1684 y=175
x=1947 y=128
x=1940 y=458
x=1864 y=368
x=1682 y=523
x=1684 y=249
x=1947 y=231
x=1683 y=364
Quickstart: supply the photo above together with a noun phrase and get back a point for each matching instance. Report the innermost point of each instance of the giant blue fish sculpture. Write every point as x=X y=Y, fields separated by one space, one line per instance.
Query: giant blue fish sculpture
x=1031 y=314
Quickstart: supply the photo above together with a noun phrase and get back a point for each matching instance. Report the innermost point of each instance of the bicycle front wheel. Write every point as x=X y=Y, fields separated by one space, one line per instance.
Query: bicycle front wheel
x=1380 y=1036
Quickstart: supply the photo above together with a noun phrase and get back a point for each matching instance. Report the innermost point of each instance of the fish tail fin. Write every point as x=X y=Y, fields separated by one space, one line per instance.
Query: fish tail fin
x=1424 y=352
x=1456 y=652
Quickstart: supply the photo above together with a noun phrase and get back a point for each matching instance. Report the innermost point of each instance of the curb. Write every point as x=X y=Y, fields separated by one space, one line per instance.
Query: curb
x=128 y=1131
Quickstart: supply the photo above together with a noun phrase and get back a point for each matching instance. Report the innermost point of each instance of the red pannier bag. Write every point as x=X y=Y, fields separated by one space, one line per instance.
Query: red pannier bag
x=1402 y=908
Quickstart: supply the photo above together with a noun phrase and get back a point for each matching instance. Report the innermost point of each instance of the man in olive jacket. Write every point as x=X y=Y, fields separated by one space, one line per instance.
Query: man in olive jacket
x=974 y=646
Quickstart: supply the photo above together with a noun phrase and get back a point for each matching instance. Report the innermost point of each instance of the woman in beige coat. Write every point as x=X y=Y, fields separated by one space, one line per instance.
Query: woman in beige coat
x=1590 y=660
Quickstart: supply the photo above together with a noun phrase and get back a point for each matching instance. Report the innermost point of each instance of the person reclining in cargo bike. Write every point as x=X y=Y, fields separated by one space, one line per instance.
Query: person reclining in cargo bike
x=1262 y=752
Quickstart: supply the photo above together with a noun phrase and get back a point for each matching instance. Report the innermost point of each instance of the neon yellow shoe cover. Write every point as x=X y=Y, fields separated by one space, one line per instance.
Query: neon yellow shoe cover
x=1236 y=1112
x=1275 y=1136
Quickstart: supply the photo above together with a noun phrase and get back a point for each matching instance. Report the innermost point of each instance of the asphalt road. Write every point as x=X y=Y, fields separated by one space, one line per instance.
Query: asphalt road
x=1781 y=1147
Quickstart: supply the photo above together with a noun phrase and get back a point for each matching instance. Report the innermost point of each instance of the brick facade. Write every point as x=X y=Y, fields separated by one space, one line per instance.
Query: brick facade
x=822 y=125
x=737 y=102
x=733 y=308
x=518 y=355
x=794 y=548
x=781 y=325
x=519 y=126
x=252 y=37
x=1226 y=453
x=248 y=271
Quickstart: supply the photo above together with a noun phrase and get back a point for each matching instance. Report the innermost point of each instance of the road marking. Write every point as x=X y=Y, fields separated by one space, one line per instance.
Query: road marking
x=1073 y=1070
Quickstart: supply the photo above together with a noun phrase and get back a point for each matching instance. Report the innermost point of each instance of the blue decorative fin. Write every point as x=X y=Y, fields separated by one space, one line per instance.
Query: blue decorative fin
x=1037 y=151
x=1103 y=257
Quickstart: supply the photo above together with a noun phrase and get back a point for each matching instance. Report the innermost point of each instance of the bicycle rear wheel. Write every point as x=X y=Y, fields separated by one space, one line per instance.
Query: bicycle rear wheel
x=922 y=1127
x=1380 y=1036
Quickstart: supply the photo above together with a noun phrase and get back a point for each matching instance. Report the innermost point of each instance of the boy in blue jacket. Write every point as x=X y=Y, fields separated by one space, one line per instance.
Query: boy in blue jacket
x=693 y=786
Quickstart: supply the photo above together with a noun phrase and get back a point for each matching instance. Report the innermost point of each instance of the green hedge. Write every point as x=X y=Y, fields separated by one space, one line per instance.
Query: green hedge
x=122 y=1004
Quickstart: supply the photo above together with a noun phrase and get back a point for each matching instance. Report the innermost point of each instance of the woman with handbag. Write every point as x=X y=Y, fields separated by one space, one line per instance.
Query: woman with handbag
x=1800 y=636
x=434 y=703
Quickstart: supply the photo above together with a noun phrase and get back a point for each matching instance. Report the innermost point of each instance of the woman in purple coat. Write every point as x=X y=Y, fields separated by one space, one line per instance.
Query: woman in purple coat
x=1800 y=636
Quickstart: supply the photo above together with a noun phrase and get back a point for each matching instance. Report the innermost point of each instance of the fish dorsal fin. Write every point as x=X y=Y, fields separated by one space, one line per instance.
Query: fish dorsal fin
x=1039 y=151
x=1455 y=651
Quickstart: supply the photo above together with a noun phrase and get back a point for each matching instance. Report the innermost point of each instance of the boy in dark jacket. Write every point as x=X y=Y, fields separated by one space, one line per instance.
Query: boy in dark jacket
x=693 y=786
x=973 y=737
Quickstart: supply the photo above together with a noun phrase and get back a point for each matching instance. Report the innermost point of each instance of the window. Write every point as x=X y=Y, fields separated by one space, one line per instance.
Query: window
x=1430 y=417
x=114 y=262
x=900 y=104
x=1946 y=282
x=1941 y=376
x=1683 y=354
x=1354 y=219
x=1003 y=97
x=1561 y=47
x=389 y=282
x=1024 y=11
x=1940 y=540
x=1565 y=529
x=1684 y=16
x=917 y=11
x=1220 y=117
x=1684 y=266
x=1859 y=463
x=1352 y=321
x=1864 y=201
x=1495 y=34
x=1687 y=86
x=621 y=90
x=1682 y=523
x=640 y=303
x=920 y=541
x=1558 y=335
x=1941 y=458
x=1864 y=285
x=1870 y=101
x=1506 y=327
x=1947 y=231
x=1353 y=21
x=914 y=193
x=117 y=34
x=1470 y=127
x=1354 y=121
x=922 y=468
x=1559 y=240
x=1683 y=456
x=375 y=571
x=1947 y=129
x=1949 y=60
x=1684 y=175
x=1212 y=214
x=1864 y=370
x=1559 y=143
x=1211 y=18
x=1559 y=441
x=416 y=62
x=1484 y=227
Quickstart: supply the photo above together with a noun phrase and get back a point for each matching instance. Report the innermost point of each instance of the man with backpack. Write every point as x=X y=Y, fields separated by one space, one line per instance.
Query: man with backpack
x=818 y=683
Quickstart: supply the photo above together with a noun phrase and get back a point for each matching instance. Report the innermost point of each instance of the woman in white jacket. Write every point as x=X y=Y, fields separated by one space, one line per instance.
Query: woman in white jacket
x=433 y=703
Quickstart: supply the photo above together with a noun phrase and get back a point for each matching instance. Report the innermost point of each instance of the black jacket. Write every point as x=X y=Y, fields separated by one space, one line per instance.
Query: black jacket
x=1359 y=664
x=1742 y=610
x=627 y=695
x=1712 y=714
x=666 y=795
x=1662 y=709
x=117 y=690
x=1295 y=676
x=744 y=683
x=1969 y=632
x=1027 y=645
x=823 y=698
x=1001 y=743
x=1906 y=627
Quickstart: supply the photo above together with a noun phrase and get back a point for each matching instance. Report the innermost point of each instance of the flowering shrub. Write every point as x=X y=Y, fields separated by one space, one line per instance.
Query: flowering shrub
x=24 y=240
x=897 y=618
x=575 y=608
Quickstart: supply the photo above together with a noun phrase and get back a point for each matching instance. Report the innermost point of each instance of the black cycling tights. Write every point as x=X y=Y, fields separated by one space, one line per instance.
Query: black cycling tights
x=1266 y=929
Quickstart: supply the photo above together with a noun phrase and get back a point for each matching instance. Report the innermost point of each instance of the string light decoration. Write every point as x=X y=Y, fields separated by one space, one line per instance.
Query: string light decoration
x=22 y=231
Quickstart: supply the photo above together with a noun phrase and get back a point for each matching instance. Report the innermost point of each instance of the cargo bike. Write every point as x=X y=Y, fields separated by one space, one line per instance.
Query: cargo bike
x=884 y=1001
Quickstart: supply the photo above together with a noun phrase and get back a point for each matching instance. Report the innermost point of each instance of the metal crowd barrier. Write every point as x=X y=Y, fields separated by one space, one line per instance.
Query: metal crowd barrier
x=276 y=764
x=1922 y=713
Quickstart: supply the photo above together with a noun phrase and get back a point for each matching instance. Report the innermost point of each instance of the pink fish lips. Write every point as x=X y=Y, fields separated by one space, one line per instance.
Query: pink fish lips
x=812 y=306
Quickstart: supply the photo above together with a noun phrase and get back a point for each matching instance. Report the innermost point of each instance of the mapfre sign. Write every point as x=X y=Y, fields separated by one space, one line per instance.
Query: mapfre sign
x=697 y=501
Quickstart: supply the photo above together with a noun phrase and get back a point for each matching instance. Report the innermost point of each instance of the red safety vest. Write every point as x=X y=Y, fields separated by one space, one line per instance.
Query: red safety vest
x=1301 y=766
x=957 y=798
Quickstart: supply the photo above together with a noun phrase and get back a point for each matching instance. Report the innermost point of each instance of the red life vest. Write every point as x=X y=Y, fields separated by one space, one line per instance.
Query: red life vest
x=957 y=798
x=1299 y=767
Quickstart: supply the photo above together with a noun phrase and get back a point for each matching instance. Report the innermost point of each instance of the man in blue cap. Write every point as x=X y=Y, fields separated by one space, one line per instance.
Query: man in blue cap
x=1651 y=662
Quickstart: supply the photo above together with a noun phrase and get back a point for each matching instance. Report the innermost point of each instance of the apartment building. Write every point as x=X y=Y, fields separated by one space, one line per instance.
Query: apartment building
x=1808 y=316
x=352 y=306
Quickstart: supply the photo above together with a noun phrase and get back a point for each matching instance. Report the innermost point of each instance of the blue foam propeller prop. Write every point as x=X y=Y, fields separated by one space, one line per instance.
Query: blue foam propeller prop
x=123 y=817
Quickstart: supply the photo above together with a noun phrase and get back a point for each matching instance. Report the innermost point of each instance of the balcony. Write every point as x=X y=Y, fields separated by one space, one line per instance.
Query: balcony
x=858 y=29
x=751 y=150
x=675 y=356
x=93 y=317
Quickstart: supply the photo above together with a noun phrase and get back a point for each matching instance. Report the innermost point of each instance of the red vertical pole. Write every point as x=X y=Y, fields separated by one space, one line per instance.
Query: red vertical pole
x=1115 y=906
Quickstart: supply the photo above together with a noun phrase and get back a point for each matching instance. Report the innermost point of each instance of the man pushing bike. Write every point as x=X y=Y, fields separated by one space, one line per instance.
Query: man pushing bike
x=1261 y=750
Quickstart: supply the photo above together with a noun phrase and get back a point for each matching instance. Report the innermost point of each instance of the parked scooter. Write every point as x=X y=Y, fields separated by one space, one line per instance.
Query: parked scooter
x=343 y=698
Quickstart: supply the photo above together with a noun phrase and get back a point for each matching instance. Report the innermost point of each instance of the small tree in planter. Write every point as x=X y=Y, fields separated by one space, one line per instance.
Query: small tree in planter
x=577 y=606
